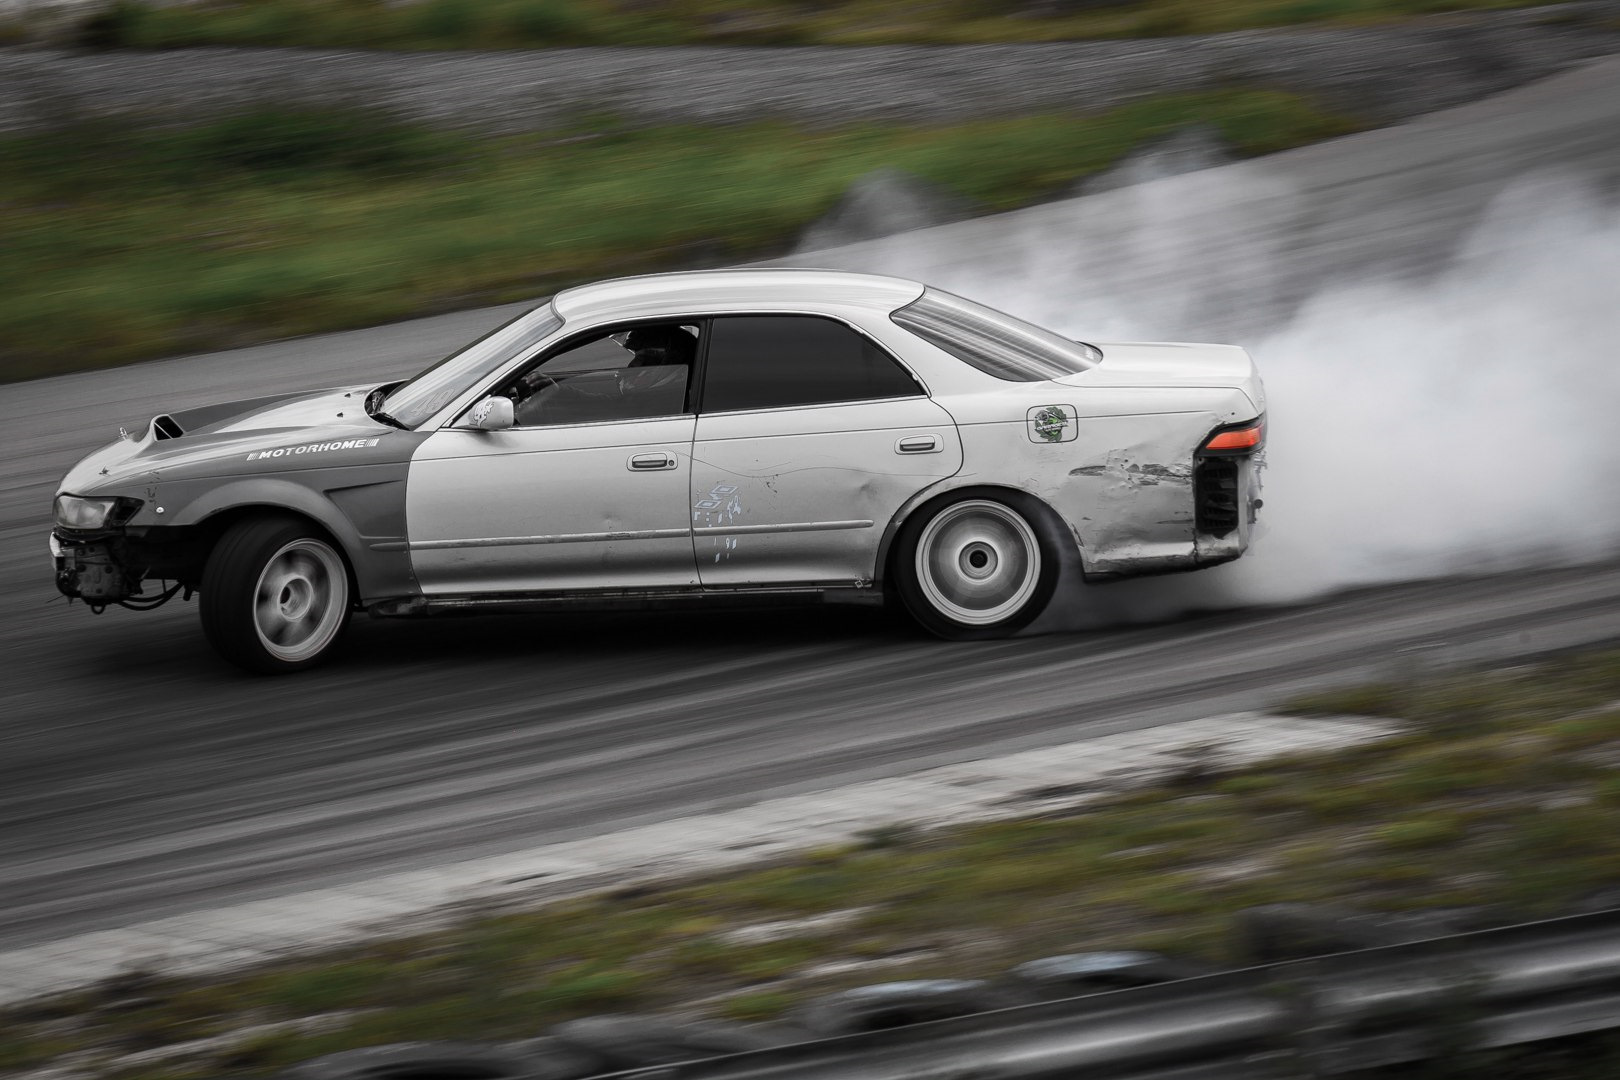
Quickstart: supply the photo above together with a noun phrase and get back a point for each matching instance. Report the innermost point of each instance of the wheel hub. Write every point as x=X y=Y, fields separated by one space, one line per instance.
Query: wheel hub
x=296 y=599
x=979 y=560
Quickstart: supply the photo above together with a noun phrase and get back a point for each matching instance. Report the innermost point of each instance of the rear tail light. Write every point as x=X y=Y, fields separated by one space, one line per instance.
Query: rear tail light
x=1241 y=438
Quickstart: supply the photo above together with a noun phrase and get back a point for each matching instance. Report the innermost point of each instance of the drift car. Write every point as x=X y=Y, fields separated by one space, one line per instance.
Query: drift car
x=774 y=433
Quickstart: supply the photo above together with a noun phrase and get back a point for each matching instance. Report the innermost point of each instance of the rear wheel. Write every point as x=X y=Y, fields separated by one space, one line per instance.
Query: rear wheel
x=274 y=596
x=978 y=565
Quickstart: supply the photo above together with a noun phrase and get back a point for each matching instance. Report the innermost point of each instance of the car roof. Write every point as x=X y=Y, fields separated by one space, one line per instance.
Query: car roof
x=734 y=290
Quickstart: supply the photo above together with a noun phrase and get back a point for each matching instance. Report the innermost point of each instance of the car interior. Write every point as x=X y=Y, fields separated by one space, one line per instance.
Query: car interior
x=627 y=373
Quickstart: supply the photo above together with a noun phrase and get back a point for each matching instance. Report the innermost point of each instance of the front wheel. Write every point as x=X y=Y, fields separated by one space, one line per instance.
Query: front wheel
x=978 y=566
x=274 y=596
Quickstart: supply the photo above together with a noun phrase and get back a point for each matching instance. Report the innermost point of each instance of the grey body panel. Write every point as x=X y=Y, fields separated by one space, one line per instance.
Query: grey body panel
x=270 y=437
x=316 y=454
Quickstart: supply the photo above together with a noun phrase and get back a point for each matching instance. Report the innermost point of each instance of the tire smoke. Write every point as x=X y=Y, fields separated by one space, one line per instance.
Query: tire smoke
x=1452 y=413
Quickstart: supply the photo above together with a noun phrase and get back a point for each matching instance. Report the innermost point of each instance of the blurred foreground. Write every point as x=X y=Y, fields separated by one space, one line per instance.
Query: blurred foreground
x=1493 y=803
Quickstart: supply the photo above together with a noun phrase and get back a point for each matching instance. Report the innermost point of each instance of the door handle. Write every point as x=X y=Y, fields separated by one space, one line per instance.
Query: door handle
x=919 y=444
x=651 y=462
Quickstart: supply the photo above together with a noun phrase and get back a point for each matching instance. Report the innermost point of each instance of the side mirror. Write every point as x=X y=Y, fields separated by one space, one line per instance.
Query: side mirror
x=491 y=414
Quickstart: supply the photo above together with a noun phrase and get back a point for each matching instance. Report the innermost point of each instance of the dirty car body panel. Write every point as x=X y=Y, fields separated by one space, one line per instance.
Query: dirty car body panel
x=764 y=433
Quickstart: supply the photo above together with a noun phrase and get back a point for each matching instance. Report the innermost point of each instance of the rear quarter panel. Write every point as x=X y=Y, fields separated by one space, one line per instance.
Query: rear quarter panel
x=1123 y=482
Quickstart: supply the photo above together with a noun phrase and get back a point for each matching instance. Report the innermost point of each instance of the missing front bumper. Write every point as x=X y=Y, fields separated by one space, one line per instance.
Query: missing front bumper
x=92 y=573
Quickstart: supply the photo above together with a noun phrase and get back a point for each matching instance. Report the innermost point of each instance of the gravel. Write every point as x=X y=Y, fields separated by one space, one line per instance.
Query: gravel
x=1383 y=73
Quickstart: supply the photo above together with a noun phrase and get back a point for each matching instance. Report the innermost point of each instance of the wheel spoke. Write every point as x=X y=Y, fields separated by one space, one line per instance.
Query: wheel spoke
x=300 y=564
x=274 y=582
x=267 y=612
x=311 y=618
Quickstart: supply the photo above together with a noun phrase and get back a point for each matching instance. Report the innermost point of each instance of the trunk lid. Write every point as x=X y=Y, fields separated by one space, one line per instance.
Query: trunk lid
x=1166 y=363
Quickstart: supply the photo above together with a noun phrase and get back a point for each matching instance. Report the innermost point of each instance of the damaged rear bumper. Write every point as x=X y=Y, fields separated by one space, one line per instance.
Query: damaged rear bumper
x=1226 y=504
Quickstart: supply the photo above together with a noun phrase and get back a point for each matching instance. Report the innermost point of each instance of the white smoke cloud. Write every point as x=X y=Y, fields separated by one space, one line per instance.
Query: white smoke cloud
x=1459 y=421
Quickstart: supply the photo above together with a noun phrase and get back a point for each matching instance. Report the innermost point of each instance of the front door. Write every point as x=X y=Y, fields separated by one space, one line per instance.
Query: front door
x=593 y=506
x=591 y=489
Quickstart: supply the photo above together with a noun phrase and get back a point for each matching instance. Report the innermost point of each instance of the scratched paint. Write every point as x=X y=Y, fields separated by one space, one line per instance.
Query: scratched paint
x=721 y=506
x=1119 y=466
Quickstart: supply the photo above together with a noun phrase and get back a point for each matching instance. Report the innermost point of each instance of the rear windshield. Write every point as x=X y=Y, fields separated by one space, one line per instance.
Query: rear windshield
x=993 y=341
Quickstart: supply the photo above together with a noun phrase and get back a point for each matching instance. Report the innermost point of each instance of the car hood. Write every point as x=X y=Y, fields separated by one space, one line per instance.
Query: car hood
x=1173 y=363
x=314 y=429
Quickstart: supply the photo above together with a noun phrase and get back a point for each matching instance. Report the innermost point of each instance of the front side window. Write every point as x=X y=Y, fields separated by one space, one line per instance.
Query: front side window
x=624 y=373
x=775 y=361
x=993 y=341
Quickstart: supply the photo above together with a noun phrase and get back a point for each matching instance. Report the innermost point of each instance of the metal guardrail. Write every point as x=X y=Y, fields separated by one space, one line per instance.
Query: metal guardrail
x=1319 y=1017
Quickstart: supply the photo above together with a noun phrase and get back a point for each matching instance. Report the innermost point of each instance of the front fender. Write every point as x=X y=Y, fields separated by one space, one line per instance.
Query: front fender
x=272 y=493
x=363 y=508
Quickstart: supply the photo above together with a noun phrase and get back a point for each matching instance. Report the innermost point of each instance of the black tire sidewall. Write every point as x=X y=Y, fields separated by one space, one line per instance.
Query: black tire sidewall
x=230 y=577
x=903 y=564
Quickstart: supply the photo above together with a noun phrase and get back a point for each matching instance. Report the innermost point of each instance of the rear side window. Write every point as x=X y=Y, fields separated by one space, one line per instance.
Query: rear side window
x=993 y=341
x=772 y=361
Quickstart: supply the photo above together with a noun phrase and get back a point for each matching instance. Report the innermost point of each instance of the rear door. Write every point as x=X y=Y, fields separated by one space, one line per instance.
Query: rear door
x=809 y=439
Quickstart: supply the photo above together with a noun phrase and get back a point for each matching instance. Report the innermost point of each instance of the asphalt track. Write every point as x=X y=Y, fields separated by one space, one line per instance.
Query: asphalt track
x=140 y=778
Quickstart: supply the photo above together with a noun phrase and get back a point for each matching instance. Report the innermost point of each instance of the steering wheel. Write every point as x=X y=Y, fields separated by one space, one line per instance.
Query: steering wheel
x=529 y=385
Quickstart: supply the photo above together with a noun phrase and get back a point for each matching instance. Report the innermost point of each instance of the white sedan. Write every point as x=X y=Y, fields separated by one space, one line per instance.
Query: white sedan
x=778 y=433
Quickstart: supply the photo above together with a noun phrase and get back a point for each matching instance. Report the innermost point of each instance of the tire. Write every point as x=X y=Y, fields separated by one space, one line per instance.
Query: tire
x=274 y=595
x=981 y=564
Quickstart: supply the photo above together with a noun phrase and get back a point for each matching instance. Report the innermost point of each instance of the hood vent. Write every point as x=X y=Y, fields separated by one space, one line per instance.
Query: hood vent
x=165 y=427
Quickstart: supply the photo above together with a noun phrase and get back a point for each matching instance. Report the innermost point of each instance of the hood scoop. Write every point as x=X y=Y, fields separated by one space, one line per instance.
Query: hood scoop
x=165 y=426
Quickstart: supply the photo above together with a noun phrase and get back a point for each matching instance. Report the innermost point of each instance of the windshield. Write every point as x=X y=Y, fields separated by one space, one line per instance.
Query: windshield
x=993 y=341
x=414 y=403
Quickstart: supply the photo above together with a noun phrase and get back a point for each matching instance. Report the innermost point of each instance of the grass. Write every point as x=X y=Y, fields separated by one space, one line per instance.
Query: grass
x=1500 y=793
x=127 y=241
x=508 y=24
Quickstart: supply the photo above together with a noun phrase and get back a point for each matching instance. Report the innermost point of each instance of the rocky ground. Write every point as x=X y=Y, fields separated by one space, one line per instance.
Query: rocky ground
x=1383 y=73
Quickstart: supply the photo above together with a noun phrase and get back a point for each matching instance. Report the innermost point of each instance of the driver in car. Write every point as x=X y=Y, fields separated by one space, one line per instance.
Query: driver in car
x=653 y=383
x=661 y=346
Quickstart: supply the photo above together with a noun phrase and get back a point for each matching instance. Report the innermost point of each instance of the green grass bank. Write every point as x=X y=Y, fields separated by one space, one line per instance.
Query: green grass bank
x=1503 y=792
x=498 y=24
x=127 y=241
